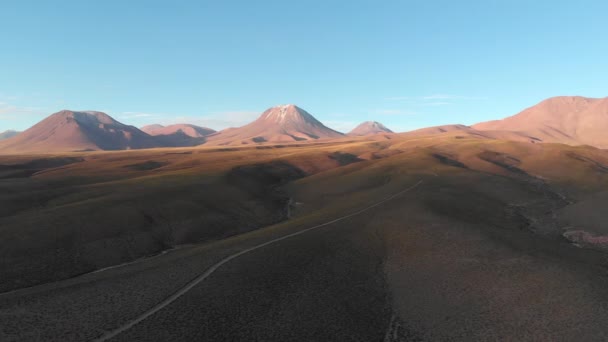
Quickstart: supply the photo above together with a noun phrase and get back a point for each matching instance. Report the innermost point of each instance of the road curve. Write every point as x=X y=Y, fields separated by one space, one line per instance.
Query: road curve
x=113 y=333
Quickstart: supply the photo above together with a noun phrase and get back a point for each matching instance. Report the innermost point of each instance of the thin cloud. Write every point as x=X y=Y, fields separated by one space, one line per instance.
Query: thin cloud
x=433 y=104
x=9 y=110
x=133 y=115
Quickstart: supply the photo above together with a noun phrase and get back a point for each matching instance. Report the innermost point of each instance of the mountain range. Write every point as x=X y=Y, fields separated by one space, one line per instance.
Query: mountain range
x=572 y=120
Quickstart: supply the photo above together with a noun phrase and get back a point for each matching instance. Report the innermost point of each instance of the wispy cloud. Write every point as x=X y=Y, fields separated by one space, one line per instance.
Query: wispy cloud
x=8 y=111
x=135 y=115
x=433 y=104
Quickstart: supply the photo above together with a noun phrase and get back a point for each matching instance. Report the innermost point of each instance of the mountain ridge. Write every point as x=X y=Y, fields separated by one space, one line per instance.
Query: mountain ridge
x=572 y=120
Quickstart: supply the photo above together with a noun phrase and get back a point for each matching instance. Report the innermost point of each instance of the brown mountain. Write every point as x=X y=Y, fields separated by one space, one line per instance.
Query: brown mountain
x=178 y=134
x=369 y=128
x=76 y=131
x=573 y=120
x=278 y=124
x=8 y=134
x=187 y=129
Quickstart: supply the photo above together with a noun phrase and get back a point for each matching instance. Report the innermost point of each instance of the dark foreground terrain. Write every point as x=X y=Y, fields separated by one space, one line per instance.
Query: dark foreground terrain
x=443 y=237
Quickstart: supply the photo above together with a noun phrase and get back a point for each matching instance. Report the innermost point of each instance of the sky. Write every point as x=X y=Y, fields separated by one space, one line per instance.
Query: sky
x=407 y=64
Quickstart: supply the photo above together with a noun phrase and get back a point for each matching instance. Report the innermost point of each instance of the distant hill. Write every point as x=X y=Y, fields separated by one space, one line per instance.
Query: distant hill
x=369 y=128
x=179 y=134
x=8 y=134
x=573 y=120
x=77 y=131
x=188 y=129
x=278 y=124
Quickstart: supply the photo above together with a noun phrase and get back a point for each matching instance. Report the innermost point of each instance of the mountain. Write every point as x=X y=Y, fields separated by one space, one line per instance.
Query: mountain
x=284 y=123
x=187 y=129
x=179 y=134
x=77 y=131
x=369 y=128
x=572 y=120
x=151 y=128
x=8 y=134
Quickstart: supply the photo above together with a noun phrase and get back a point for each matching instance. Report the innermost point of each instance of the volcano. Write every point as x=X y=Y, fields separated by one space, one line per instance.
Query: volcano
x=369 y=128
x=286 y=123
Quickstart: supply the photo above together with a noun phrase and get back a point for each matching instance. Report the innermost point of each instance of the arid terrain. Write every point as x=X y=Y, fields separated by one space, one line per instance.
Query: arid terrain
x=445 y=233
x=303 y=171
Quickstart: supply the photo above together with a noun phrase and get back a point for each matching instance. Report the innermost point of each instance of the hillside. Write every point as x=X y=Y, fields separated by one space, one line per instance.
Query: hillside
x=572 y=120
x=504 y=227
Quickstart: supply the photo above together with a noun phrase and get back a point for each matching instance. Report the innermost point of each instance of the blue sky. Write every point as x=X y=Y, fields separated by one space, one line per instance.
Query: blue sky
x=408 y=64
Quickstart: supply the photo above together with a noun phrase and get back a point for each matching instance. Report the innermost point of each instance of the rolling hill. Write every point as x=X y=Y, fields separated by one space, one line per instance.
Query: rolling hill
x=496 y=232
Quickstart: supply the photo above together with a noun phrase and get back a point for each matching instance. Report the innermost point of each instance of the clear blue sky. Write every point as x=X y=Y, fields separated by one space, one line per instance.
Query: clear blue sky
x=408 y=64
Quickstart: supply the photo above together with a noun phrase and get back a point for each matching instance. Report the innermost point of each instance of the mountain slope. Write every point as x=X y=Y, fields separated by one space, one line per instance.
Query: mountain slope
x=285 y=123
x=369 y=128
x=8 y=134
x=76 y=131
x=573 y=120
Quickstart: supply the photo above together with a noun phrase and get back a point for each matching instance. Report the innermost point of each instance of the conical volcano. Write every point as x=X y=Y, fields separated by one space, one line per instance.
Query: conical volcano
x=369 y=128
x=284 y=123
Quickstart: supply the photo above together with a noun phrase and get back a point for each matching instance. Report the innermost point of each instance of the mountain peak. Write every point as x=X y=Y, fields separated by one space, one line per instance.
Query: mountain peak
x=283 y=123
x=369 y=128
x=86 y=117
x=287 y=113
